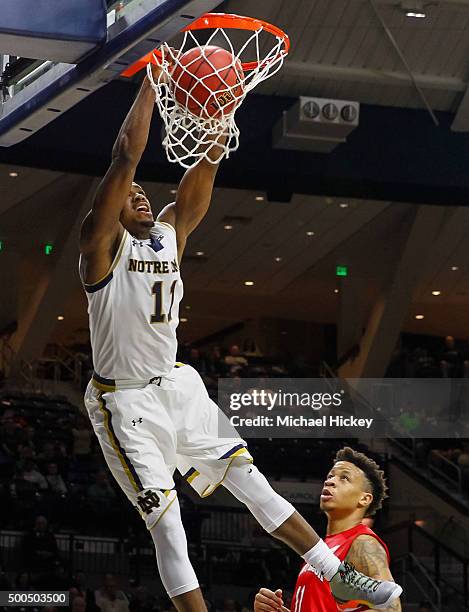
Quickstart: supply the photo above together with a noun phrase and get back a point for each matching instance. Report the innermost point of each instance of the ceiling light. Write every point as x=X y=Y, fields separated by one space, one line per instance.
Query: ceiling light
x=278 y=259
x=183 y=320
x=60 y=318
x=228 y=227
x=436 y=292
x=249 y=283
x=310 y=233
x=419 y=317
x=343 y=205
x=260 y=198
x=173 y=191
x=414 y=8
x=200 y=253
x=454 y=268
x=13 y=174
x=336 y=291
x=187 y=307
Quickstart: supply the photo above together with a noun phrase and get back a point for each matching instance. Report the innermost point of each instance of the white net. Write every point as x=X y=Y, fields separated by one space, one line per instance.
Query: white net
x=198 y=104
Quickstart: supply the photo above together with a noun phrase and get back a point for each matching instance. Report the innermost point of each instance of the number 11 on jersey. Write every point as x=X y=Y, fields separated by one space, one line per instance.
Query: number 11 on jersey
x=158 y=315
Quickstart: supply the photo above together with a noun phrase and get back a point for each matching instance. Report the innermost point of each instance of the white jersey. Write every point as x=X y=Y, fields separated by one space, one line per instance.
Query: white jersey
x=134 y=310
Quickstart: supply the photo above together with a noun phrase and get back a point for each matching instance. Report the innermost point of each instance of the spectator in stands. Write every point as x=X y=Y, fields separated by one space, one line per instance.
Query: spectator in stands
x=109 y=598
x=53 y=452
x=101 y=498
x=216 y=363
x=229 y=605
x=197 y=361
x=100 y=493
x=463 y=459
x=4 y=582
x=81 y=589
x=28 y=438
x=47 y=454
x=451 y=359
x=78 y=604
x=409 y=420
x=82 y=436
x=424 y=364
x=55 y=480
x=40 y=547
x=31 y=474
x=234 y=360
x=24 y=453
x=141 y=600
x=10 y=435
x=23 y=582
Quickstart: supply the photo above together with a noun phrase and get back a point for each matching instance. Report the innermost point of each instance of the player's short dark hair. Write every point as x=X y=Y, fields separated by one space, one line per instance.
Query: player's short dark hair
x=373 y=474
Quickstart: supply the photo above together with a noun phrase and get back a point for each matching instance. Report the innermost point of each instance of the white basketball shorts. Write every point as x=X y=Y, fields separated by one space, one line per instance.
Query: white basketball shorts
x=147 y=433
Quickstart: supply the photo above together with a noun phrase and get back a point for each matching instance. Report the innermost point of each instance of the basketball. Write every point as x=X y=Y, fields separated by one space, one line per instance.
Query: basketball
x=208 y=81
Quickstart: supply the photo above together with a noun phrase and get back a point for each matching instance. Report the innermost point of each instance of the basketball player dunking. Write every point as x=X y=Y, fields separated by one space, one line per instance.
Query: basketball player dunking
x=150 y=414
x=354 y=489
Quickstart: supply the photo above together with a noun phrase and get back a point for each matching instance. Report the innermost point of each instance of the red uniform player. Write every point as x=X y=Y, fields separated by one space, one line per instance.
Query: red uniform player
x=312 y=593
x=353 y=490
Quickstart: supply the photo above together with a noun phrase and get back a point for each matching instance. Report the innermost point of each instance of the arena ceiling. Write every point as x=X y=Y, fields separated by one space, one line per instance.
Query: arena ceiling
x=340 y=50
x=288 y=250
x=396 y=158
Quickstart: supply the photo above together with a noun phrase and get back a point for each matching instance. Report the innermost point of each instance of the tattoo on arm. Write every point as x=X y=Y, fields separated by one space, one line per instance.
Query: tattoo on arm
x=369 y=557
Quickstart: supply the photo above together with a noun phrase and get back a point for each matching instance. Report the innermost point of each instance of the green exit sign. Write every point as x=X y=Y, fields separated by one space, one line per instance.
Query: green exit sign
x=341 y=270
x=1 y=245
x=48 y=248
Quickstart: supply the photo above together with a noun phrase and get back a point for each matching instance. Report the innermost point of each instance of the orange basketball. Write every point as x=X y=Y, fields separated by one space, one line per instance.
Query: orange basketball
x=207 y=81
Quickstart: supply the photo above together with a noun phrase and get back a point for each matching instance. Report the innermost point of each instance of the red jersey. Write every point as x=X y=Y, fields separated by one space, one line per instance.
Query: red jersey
x=312 y=592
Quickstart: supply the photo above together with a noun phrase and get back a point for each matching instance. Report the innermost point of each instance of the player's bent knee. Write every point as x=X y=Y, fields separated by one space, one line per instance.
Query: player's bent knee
x=251 y=487
x=153 y=504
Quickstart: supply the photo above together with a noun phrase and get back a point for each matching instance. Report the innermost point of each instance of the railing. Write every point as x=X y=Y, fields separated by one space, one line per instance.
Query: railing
x=131 y=558
x=404 y=571
x=42 y=375
x=436 y=558
x=452 y=467
x=93 y=555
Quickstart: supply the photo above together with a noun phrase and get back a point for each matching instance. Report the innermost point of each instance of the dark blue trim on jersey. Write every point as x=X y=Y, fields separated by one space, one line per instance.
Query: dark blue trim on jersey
x=104 y=381
x=231 y=451
x=97 y=286
x=189 y=473
x=155 y=244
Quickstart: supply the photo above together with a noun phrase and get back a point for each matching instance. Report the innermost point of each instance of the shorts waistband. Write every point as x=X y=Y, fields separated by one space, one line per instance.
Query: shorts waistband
x=109 y=384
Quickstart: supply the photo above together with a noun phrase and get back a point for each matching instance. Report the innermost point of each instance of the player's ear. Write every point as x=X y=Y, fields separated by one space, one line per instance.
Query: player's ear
x=365 y=500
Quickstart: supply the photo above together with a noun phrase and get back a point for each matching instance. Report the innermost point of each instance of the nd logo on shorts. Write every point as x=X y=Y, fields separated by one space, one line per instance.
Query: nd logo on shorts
x=153 y=503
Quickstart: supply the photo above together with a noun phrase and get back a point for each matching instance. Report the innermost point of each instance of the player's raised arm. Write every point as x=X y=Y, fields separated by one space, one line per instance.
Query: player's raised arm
x=101 y=229
x=193 y=197
x=369 y=557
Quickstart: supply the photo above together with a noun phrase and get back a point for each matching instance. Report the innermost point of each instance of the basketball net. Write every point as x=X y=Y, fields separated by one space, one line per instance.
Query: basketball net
x=190 y=137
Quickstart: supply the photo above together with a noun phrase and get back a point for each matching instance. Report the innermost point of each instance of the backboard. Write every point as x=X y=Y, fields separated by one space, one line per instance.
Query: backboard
x=35 y=92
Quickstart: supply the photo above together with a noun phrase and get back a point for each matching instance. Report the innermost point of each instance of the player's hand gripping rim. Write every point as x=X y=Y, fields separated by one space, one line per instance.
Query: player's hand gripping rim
x=162 y=68
x=268 y=601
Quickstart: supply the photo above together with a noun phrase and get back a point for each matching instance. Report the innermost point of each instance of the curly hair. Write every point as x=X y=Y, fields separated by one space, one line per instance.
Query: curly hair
x=373 y=474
